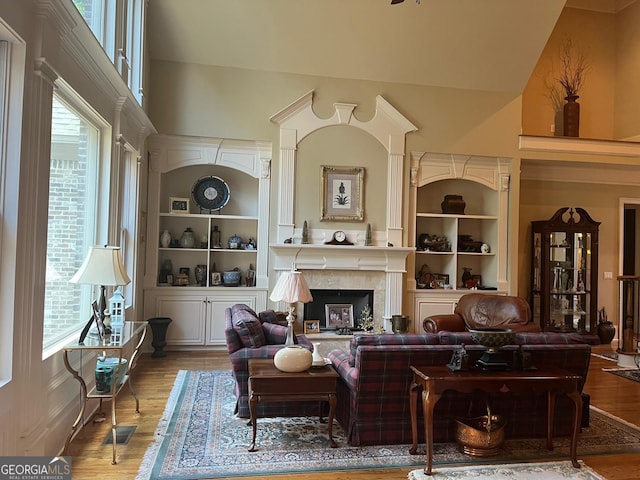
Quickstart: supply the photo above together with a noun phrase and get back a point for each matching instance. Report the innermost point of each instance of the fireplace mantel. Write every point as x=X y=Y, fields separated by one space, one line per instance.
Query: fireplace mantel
x=337 y=257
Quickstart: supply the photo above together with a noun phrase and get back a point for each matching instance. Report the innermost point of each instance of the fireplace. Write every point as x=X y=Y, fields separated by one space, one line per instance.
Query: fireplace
x=358 y=299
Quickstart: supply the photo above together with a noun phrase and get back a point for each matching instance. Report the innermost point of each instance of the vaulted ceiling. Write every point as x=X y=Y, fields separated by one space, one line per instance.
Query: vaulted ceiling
x=481 y=45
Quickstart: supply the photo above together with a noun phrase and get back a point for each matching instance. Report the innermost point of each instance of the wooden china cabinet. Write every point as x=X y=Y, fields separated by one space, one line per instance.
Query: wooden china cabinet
x=564 y=272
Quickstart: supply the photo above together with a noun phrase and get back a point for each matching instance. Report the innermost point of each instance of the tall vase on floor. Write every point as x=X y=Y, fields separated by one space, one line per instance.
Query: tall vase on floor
x=571 y=123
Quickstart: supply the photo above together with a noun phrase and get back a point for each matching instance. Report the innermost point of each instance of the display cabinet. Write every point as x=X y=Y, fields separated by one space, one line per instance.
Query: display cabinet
x=207 y=230
x=564 y=272
x=459 y=206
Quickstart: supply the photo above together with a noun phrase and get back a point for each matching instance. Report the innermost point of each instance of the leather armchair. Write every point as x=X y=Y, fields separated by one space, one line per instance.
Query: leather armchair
x=479 y=310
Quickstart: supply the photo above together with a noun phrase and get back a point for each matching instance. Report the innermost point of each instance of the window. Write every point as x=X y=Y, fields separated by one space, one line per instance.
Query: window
x=93 y=12
x=74 y=217
x=12 y=55
x=119 y=27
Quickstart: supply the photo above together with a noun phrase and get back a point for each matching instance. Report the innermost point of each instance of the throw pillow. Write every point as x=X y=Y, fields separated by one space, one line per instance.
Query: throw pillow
x=249 y=329
x=276 y=334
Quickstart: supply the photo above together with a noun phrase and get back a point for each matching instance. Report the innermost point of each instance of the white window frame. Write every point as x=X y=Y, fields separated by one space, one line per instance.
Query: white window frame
x=99 y=235
x=12 y=54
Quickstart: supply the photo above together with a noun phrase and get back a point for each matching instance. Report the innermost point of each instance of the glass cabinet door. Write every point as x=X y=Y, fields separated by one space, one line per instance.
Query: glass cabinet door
x=564 y=272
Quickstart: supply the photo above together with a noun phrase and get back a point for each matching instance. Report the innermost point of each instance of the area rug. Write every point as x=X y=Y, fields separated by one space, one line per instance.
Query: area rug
x=198 y=436
x=611 y=356
x=514 y=471
x=630 y=373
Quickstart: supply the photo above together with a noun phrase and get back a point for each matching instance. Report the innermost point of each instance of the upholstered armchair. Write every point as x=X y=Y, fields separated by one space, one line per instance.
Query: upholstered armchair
x=480 y=310
x=251 y=335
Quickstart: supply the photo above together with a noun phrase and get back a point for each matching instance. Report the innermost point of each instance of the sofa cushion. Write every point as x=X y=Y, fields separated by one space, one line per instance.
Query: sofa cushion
x=270 y=316
x=249 y=328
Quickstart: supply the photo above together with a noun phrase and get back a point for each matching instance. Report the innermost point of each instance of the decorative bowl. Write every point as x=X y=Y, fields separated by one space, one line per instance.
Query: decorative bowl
x=493 y=338
x=231 y=278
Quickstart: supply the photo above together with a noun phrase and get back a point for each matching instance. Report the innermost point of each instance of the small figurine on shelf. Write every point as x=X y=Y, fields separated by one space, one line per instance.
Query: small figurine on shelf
x=305 y=233
x=251 y=244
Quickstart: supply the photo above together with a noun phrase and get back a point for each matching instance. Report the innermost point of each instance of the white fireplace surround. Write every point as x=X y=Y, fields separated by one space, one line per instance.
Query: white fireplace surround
x=360 y=266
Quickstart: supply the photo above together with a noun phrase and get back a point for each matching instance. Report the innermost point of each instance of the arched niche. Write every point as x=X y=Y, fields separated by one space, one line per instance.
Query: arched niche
x=387 y=126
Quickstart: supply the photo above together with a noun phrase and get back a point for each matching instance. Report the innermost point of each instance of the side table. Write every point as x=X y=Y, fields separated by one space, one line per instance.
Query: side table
x=268 y=384
x=434 y=381
x=130 y=331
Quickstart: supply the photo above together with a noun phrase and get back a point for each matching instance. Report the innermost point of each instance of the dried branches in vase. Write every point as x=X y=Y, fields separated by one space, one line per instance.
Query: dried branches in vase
x=573 y=69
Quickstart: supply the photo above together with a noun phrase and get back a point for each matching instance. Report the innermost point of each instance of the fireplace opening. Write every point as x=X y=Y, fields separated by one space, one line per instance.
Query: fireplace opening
x=316 y=310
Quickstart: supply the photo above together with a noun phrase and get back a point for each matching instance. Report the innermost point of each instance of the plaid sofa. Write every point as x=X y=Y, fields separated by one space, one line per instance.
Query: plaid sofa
x=373 y=389
x=251 y=335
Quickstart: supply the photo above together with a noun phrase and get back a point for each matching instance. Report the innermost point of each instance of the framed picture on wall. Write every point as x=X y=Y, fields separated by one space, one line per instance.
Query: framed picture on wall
x=342 y=194
x=338 y=315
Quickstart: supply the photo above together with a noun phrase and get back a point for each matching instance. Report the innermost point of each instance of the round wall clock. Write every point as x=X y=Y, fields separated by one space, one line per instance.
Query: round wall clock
x=211 y=193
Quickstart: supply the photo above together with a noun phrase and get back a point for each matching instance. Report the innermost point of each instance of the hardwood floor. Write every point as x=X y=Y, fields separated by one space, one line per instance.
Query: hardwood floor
x=153 y=379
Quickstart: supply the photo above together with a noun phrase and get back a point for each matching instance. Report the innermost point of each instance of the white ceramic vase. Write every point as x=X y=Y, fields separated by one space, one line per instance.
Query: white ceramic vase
x=317 y=358
x=292 y=359
x=165 y=239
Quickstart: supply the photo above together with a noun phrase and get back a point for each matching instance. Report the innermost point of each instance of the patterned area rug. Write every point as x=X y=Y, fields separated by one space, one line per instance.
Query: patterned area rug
x=198 y=436
x=515 y=471
x=613 y=356
x=630 y=373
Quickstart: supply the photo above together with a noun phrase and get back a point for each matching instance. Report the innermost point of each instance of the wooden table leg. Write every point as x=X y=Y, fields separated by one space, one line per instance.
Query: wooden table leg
x=413 y=408
x=253 y=410
x=332 y=410
x=550 y=414
x=577 y=420
x=428 y=405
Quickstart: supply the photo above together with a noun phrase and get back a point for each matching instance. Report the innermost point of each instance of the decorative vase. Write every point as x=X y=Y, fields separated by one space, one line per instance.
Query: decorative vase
x=317 y=358
x=201 y=275
x=466 y=275
x=165 y=239
x=235 y=242
x=187 y=240
x=215 y=237
x=606 y=331
x=399 y=323
x=571 y=118
x=453 y=204
x=165 y=271
x=292 y=359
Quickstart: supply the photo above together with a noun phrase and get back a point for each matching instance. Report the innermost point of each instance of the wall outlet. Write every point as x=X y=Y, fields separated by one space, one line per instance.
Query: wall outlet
x=608 y=275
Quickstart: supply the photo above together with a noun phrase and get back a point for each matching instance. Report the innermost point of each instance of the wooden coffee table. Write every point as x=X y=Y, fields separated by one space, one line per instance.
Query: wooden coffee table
x=268 y=384
x=433 y=381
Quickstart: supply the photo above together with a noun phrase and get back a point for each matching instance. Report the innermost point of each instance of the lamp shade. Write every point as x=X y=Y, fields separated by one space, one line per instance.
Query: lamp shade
x=102 y=266
x=291 y=287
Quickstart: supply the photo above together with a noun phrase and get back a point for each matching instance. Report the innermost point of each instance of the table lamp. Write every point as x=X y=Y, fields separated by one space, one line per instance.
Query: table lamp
x=291 y=287
x=102 y=266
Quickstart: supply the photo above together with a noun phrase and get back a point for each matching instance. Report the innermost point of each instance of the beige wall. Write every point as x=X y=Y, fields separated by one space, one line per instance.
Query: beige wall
x=541 y=199
x=627 y=86
x=340 y=146
x=610 y=99
x=594 y=34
